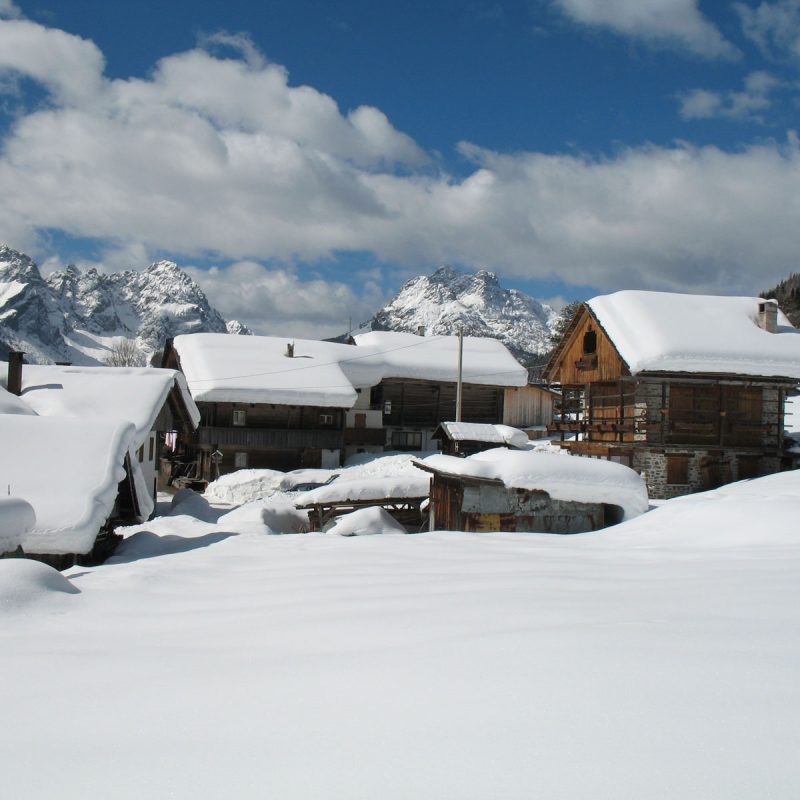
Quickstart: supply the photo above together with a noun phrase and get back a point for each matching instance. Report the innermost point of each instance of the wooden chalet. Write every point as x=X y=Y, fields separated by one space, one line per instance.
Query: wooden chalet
x=689 y=390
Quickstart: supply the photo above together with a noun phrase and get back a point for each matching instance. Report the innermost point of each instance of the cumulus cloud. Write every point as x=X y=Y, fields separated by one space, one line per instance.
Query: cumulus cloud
x=773 y=26
x=216 y=155
x=68 y=66
x=277 y=302
x=749 y=104
x=676 y=22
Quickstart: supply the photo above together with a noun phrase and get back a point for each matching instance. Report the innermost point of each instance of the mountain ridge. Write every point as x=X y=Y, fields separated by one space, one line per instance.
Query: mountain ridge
x=77 y=316
x=448 y=299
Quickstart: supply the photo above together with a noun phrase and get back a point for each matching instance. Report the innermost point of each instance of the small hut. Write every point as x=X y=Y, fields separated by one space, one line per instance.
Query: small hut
x=467 y=438
x=503 y=490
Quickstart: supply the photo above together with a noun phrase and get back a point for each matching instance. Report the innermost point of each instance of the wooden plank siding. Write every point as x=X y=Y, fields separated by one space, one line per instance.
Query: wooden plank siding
x=574 y=366
x=528 y=405
x=427 y=403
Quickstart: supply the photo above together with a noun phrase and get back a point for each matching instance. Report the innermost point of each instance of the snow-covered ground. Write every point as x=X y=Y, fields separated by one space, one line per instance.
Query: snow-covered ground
x=656 y=659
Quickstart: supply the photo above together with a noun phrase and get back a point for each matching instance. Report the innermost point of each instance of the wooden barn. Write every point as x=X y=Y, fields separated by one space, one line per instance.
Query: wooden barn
x=689 y=390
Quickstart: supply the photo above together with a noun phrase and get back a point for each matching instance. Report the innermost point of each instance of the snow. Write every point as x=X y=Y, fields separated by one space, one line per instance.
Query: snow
x=257 y=369
x=298 y=477
x=9 y=290
x=416 y=484
x=492 y=434
x=657 y=659
x=130 y=393
x=435 y=358
x=68 y=470
x=365 y=521
x=661 y=331
x=243 y=485
x=11 y=404
x=24 y=582
x=576 y=478
x=17 y=517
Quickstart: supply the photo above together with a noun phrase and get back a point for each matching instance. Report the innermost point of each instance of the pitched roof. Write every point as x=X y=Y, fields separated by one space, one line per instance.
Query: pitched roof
x=224 y=368
x=667 y=332
x=708 y=334
x=69 y=470
x=136 y=394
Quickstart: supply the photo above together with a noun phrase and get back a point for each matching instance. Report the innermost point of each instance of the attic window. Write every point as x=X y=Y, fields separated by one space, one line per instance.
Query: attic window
x=590 y=342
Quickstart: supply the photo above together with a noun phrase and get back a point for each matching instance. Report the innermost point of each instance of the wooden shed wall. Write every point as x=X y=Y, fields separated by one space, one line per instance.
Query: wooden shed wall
x=528 y=405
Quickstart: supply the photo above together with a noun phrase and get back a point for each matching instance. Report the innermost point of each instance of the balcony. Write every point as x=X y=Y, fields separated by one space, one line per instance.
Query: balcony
x=365 y=436
x=269 y=439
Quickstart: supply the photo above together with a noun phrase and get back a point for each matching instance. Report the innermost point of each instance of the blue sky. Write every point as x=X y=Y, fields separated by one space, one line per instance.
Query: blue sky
x=304 y=158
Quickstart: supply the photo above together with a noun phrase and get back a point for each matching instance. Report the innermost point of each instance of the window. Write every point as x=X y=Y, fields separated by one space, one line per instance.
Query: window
x=677 y=470
x=239 y=417
x=407 y=440
x=240 y=460
x=151 y=448
x=590 y=342
x=140 y=454
x=326 y=419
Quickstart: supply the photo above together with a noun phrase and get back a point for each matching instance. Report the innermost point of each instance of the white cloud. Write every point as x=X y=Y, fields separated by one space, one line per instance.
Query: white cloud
x=70 y=67
x=222 y=157
x=277 y=302
x=773 y=26
x=676 y=22
x=9 y=10
x=749 y=104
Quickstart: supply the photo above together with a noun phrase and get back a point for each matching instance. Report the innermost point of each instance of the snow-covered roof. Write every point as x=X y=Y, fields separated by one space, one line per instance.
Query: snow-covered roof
x=413 y=484
x=135 y=394
x=68 y=469
x=662 y=331
x=574 y=478
x=405 y=355
x=481 y=432
x=257 y=369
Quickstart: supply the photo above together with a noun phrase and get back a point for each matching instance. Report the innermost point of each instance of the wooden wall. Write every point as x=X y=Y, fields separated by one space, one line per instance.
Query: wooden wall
x=427 y=403
x=528 y=405
x=575 y=367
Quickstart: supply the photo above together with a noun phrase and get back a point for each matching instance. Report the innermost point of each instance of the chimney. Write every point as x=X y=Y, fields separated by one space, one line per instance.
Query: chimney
x=290 y=350
x=15 y=361
x=420 y=330
x=768 y=315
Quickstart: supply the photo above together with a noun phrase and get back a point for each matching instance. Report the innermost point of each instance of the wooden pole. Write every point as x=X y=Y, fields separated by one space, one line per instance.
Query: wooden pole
x=459 y=385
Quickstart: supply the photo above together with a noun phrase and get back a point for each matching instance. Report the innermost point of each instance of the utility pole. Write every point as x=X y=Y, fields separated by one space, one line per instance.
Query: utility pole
x=459 y=385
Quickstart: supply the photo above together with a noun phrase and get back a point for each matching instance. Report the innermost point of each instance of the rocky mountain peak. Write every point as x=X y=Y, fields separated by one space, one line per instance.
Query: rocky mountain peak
x=75 y=315
x=449 y=299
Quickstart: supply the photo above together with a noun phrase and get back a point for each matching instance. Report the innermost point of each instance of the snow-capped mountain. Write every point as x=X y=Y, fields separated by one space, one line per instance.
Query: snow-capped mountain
x=441 y=303
x=77 y=316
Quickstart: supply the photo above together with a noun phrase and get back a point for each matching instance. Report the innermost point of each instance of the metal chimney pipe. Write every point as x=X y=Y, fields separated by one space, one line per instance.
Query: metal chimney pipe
x=15 y=361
